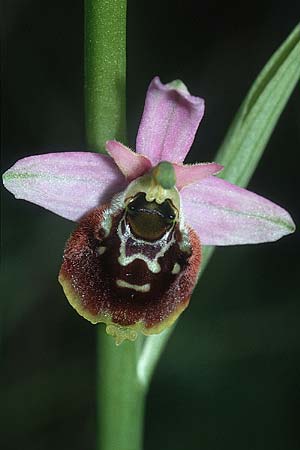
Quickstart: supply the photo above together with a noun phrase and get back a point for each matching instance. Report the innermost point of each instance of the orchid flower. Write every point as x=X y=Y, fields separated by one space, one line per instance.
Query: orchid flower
x=134 y=259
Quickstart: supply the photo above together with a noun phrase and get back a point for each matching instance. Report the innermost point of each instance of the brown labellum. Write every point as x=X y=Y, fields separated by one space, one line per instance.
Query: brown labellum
x=133 y=268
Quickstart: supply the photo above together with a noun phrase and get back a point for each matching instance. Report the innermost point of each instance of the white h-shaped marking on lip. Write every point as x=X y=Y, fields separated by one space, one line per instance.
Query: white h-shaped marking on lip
x=152 y=264
x=118 y=205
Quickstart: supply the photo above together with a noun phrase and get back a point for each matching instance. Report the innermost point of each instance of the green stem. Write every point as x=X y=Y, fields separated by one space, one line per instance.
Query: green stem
x=105 y=71
x=120 y=395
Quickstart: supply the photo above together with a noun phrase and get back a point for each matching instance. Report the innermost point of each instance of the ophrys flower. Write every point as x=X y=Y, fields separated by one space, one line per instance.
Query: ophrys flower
x=134 y=259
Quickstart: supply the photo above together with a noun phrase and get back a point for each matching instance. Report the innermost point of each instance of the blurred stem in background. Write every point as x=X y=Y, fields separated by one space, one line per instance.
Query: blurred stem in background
x=120 y=396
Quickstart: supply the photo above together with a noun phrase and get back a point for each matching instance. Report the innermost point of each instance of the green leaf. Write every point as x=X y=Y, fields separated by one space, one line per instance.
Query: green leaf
x=252 y=127
x=242 y=149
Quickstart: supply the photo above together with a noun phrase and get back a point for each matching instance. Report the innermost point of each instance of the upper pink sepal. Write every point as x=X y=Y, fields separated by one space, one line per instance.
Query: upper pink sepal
x=224 y=214
x=131 y=164
x=169 y=123
x=193 y=173
x=69 y=184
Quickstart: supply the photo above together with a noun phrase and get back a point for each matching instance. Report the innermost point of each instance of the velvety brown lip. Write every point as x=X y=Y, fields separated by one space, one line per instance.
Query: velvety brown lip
x=91 y=267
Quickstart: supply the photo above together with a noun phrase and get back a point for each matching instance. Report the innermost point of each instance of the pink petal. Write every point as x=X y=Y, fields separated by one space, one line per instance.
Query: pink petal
x=68 y=184
x=193 y=173
x=224 y=214
x=170 y=120
x=131 y=164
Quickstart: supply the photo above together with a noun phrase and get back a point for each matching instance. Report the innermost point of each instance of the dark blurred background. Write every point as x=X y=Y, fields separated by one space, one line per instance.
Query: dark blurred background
x=230 y=375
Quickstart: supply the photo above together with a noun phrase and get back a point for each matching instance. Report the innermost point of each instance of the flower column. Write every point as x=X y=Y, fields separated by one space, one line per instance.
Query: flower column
x=120 y=397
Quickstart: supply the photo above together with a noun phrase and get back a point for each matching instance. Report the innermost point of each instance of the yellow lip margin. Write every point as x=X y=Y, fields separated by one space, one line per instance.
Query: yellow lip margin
x=119 y=332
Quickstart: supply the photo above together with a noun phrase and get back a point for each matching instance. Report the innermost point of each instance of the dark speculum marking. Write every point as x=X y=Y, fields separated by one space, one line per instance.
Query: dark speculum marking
x=149 y=220
x=140 y=271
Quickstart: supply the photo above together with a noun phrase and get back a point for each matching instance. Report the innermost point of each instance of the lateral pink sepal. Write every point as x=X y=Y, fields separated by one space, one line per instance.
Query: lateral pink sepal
x=69 y=184
x=224 y=214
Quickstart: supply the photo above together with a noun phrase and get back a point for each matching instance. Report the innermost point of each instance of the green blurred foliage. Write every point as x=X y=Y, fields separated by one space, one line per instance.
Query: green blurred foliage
x=229 y=378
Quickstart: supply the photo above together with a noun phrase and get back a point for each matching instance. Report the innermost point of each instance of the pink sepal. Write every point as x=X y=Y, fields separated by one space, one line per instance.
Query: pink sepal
x=224 y=214
x=68 y=184
x=169 y=123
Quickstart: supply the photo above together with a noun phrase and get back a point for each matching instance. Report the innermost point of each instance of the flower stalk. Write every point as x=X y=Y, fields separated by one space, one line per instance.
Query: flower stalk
x=105 y=72
x=120 y=396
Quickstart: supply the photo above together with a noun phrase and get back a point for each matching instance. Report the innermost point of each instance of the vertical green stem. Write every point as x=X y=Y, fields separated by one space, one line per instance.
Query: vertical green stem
x=120 y=396
x=105 y=71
